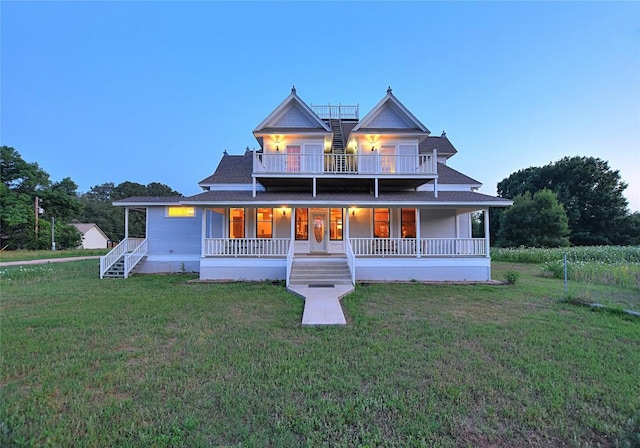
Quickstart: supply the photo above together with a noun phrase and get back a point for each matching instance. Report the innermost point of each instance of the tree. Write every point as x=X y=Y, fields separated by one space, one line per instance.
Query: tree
x=591 y=193
x=21 y=183
x=534 y=221
x=97 y=206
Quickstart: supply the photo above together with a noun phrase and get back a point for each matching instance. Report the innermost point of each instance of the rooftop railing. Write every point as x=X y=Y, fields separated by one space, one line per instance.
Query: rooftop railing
x=337 y=112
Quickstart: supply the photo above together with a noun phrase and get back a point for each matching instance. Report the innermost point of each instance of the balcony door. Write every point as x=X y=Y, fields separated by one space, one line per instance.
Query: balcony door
x=319 y=233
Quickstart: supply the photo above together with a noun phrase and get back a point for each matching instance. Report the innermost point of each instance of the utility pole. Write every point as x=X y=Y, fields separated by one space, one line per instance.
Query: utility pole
x=37 y=211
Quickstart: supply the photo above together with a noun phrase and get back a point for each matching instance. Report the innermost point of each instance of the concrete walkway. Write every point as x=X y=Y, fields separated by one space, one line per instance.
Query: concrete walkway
x=47 y=260
x=322 y=305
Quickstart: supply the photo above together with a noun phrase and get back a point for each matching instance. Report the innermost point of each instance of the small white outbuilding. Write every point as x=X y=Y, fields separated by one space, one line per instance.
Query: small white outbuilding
x=92 y=236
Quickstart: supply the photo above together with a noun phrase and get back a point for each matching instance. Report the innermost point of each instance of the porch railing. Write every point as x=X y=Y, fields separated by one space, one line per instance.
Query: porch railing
x=125 y=246
x=246 y=247
x=361 y=163
x=434 y=247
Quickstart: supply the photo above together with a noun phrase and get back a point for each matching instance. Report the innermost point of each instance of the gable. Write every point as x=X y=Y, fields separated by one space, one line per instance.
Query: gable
x=390 y=114
x=295 y=117
x=388 y=118
x=291 y=114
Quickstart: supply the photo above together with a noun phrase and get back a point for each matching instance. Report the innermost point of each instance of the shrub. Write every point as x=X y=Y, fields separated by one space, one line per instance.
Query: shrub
x=512 y=277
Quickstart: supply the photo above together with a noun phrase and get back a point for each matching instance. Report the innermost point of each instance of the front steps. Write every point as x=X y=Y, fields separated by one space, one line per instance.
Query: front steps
x=320 y=271
x=117 y=269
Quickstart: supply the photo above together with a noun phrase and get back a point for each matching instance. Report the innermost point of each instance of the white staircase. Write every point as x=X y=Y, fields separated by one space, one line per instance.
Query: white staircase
x=124 y=258
x=320 y=271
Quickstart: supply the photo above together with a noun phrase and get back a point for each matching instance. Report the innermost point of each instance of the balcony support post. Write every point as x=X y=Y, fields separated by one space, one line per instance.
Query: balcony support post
x=314 y=187
x=126 y=223
x=486 y=232
x=376 y=187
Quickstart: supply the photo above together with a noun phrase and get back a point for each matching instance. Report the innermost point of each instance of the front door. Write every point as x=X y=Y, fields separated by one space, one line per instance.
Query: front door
x=319 y=231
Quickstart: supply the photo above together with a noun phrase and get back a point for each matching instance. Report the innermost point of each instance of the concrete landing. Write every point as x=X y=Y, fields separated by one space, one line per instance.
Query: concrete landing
x=322 y=305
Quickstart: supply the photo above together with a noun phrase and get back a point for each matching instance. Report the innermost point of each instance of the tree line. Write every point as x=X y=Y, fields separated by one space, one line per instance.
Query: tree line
x=575 y=201
x=24 y=183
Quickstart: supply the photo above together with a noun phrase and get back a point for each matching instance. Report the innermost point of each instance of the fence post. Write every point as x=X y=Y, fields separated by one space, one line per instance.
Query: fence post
x=566 y=289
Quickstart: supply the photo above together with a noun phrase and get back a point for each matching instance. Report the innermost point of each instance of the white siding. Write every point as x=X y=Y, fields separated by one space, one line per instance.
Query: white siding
x=94 y=239
x=437 y=223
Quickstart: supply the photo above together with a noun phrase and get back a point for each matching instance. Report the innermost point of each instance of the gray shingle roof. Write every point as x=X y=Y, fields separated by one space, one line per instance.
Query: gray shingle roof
x=151 y=199
x=232 y=170
x=447 y=175
x=442 y=144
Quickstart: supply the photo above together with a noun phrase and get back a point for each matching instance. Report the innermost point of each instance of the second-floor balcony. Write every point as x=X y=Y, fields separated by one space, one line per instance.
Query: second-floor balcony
x=283 y=164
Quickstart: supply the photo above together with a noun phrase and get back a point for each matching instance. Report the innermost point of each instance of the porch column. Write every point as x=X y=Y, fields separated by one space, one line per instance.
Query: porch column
x=485 y=213
x=346 y=226
x=292 y=218
x=376 y=187
x=314 y=187
x=254 y=187
x=418 y=245
x=126 y=223
x=203 y=232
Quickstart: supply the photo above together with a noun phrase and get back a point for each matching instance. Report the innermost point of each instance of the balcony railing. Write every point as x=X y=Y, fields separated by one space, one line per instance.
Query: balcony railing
x=374 y=163
x=434 y=247
x=246 y=247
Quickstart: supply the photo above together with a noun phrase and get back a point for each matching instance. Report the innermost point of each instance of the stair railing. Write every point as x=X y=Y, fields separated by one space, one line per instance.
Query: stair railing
x=351 y=261
x=124 y=246
x=131 y=259
x=289 y=261
x=106 y=261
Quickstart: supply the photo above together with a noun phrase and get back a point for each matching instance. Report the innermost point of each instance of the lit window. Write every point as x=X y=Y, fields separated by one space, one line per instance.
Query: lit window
x=381 y=223
x=236 y=223
x=181 y=212
x=335 y=218
x=408 y=223
x=302 y=224
x=264 y=220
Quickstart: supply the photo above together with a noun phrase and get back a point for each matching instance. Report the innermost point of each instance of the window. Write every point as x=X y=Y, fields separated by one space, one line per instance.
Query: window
x=408 y=223
x=335 y=228
x=181 y=212
x=236 y=223
x=264 y=221
x=293 y=158
x=381 y=223
x=302 y=224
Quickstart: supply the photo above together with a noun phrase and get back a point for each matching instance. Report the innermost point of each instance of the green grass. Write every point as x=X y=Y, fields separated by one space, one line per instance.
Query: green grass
x=24 y=255
x=159 y=361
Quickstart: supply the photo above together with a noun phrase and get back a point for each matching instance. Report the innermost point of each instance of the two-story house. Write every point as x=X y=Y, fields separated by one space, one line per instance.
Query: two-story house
x=327 y=197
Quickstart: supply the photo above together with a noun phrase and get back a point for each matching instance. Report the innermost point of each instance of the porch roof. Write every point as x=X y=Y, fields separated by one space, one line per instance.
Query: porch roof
x=303 y=199
x=277 y=199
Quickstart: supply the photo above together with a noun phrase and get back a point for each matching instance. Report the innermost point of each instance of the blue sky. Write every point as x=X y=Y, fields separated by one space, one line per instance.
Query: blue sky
x=156 y=91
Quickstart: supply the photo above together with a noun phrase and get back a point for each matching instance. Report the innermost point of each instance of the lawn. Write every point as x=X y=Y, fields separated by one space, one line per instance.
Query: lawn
x=162 y=361
x=22 y=255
